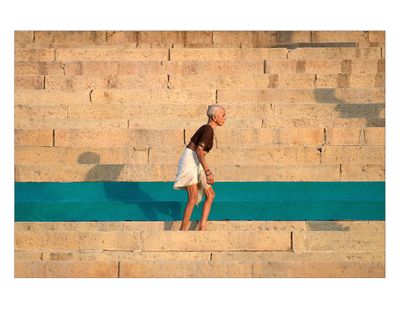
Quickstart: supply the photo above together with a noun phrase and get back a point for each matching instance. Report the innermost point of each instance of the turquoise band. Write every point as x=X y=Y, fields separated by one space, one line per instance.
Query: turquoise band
x=158 y=201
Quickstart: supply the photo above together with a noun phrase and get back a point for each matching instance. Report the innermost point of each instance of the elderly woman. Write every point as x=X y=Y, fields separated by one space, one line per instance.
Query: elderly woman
x=193 y=173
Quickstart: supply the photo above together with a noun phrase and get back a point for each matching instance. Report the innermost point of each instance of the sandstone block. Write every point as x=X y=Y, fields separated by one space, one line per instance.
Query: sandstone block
x=188 y=269
x=299 y=136
x=38 y=68
x=339 y=36
x=38 y=113
x=264 y=155
x=110 y=54
x=139 y=82
x=132 y=96
x=98 y=112
x=335 y=53
x=212 y=67
x=76 y=83
x=112 y=68
x=217 y=241
x=55 y=269
x=353 y=154
x=91 y=138
x=363 y=172
x=43 y=97
x=23 y=123
x=239 y=38
x=27 y=54
x=69 y=38
x=374 y=136
x=319 y=270
x=285 y=112
x=28 y=82
x=304 y=257
x=282 y=172
x=231 y=54
x=122 y=37
x=68 y=226
x=344 y=136
x=33 y=137
x=353 y=226
x=322 y=95
x=22 y=38
x=338 y=241
x=77 y=240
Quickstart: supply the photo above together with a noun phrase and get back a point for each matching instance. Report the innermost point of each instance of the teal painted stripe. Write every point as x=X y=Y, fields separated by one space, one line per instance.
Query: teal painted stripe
x=158 y=201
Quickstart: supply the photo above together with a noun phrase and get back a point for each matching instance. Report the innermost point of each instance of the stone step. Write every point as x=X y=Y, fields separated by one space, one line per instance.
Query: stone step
x=154 y=241
x=174 y=269
x=65 y=269
x=152 y=226
x=254 y=256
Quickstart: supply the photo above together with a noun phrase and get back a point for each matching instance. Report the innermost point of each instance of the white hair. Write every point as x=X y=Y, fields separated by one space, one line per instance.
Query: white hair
x=212 y=109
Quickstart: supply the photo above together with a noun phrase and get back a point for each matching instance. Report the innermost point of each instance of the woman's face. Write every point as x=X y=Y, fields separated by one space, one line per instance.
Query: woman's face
x=220 y=117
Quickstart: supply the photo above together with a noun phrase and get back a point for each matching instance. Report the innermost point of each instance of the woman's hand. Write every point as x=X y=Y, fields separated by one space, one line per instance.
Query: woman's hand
x=210 y=179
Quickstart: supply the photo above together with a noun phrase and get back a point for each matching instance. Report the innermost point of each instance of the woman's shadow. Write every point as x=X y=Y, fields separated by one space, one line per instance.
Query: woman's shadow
x=129 y=193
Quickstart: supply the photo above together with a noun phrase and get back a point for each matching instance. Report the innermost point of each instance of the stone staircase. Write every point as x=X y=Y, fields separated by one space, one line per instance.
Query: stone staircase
x=230 y=249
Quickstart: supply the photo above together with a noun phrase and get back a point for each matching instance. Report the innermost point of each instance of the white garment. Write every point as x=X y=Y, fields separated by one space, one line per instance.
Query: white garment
x=189 y=172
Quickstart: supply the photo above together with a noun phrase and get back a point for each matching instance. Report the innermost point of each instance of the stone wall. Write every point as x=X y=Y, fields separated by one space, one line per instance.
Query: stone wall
x=301 y=106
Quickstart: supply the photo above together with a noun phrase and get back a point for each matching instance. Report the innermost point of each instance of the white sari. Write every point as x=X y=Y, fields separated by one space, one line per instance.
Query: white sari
x=189 y=172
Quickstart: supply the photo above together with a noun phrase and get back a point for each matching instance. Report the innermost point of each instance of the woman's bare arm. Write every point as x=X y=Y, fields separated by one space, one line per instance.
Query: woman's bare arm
x=202 y=159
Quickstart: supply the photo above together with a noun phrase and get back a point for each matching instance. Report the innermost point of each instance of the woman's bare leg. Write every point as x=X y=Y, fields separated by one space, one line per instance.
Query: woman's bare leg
x=192 y=199
x=210 y=195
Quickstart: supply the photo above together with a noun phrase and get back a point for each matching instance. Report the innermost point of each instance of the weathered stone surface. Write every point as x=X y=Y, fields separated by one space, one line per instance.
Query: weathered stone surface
x=241 y=155
x=335 y=53
x=68 y=226
x=299 y=136
x=42 y=113
x=195 y=269
x=68 y=240
x=41 y=137
x=231 y=54
x=239 y=38
x=324 y=66
x=347 y=80
x=28 y=82
x=215 y=240
x=211 y=67
x=363 y=172
x=340 y=36
x=305 y=257
x=65 y=269
x=353 y=154
x=112 y=68
x=91 y=138
x=344 y=136
x=323 y=95
x=355 y=226
x=338 y=241
x=43 y=97
x=132 y=96
x=79 y=124
x=319 y=270
x=88 y=172
x=22 y=38
x=27 y=54
x=374 y=136
x=38 y=68
x=69 y=38
x=110 y=54
x=116 y=255
x=67 y=155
